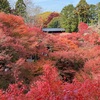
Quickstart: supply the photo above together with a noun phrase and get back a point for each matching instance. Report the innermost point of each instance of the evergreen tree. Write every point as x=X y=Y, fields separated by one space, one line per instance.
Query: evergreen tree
x=20 y=8
x=4 y=6
x=55 y=23
x=93 y=14
x=82 y=10
x=98 y=12
x=69 y=20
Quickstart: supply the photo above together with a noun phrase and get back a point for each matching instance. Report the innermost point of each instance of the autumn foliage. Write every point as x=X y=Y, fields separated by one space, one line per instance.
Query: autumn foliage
x=82 y=27
x=50 y=17
x=63 y=67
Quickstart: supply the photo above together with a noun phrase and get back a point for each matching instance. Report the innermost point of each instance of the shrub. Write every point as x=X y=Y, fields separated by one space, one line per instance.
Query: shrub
x=82 y=27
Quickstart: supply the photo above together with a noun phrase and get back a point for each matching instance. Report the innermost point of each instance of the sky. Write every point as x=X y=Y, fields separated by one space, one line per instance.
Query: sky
x=54 y=5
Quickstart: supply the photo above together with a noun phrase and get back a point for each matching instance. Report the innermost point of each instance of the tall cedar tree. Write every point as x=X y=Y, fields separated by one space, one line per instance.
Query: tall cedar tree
x=82 y=10
x=20 y=8
x=4 y=6
x=69 y=20
x=98 y=12
x=92 y=14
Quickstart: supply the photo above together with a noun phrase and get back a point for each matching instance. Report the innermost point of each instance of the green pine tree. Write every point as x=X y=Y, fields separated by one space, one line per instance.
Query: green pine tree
x=20 y=8
x=82 y=10
x=69 y=20
x=98 y=12
x=93 y=14
x=4 y=6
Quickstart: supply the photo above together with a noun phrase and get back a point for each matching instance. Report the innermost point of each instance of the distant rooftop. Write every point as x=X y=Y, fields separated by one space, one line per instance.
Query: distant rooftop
x=53 y=30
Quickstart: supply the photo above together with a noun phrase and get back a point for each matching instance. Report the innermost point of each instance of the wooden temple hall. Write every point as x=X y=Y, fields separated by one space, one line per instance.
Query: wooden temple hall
x=53 y=30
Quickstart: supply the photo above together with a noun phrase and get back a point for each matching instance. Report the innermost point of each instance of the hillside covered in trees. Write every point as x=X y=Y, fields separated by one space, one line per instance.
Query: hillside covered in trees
x=35 y=65
x=69 y=17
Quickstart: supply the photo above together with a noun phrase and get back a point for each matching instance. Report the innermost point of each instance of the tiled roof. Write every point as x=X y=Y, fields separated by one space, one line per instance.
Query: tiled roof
x=53 y=29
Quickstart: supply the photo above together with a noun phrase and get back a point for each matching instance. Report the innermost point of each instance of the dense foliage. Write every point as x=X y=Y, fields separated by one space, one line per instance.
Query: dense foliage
x=55 y=23
x=63 y=67
x=71 y=16
x=14 y=48
x=50 y=17
x=69 y=20
x=20 y=8
x=98 y=12
x=82 y=10
x=4 y=6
